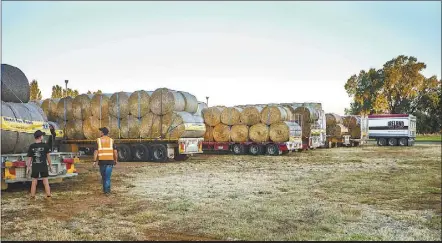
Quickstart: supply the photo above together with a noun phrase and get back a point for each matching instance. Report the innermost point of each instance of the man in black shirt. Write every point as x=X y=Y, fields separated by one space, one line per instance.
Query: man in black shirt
x=38 y=154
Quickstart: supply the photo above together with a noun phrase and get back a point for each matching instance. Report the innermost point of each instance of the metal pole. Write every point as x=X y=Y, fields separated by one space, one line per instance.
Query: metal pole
x=207 y=101
x=66 y=85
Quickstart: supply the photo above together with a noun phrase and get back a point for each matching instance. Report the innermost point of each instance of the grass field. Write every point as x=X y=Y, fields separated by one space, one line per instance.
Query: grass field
x=366 y=193
x=429 y=138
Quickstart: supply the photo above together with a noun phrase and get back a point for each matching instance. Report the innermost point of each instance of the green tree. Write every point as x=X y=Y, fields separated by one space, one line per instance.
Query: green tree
x=57 y=92
x=96 y=92
x=35 y=90
x=71 y=93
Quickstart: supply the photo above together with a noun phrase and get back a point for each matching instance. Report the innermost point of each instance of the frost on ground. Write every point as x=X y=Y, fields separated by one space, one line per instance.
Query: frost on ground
x=366 y=193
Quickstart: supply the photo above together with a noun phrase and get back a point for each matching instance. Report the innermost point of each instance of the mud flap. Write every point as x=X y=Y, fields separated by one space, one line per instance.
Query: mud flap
x=4 y=185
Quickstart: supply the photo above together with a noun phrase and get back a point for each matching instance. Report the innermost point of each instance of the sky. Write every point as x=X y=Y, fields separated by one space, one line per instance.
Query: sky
x=234 y=52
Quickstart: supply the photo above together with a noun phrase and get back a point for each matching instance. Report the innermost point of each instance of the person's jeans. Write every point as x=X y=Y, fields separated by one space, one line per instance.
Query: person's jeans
x=106 y=172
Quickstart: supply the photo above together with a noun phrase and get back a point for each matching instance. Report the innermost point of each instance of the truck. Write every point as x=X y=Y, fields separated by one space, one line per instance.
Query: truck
x=392 y=129
x=254 y=148
x=13 y=165
x=357 y=137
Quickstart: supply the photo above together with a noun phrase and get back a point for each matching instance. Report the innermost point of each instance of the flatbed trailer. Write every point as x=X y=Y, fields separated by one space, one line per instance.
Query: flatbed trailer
x=143 y=150
x=14 y=169
x=252 y=148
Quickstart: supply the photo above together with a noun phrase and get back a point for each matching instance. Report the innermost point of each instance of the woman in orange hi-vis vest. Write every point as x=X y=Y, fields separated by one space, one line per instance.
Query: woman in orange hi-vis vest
x=107 y=156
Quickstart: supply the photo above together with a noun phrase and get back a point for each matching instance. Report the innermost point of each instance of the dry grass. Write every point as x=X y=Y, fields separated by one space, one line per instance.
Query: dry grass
x=368 y=193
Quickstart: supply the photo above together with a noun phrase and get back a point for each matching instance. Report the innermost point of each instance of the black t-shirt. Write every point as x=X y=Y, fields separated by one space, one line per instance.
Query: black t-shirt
x=106 y=162
x=38 y=152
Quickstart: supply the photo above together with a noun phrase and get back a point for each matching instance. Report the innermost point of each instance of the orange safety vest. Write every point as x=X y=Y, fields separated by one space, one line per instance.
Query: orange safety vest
x=105 y=148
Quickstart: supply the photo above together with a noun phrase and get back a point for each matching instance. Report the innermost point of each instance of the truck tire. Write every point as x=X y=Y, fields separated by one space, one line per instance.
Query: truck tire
x=124 y=153
x=238 y=149
x=181 y=157
x=392 y=142
x=159 y=153
x=141 y=153
x=255 y=149
x=403 y=142
x=382 y=142
x=272 y=149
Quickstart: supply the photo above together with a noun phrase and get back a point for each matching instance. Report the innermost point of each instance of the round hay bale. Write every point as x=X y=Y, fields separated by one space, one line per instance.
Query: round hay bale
x=355 y=132
x=64 y=108
x=139 y=103
x=165 y=101
x=146 y=125
x=259 y=133
x=333 y=119
x=119 y=105
x=231 y=116
x=91 y=126
x=239 y=133
x=281 y=131
x=351 y=121
x=273 y=114
x=12 y=141
x=208 y=135
x=340 y=130
x=74 y=130
x=62 y=124
x=81 y=107
x=308 y=114
x=221 y=133
x=130 y=127
x=251 y=115
x=212 y=115
x=100 y=105
x=290 y=115
x=201 y=107
x=191 y=103
x=49 y=107
x=184 y=124
x=15 y=85
x=114 y=125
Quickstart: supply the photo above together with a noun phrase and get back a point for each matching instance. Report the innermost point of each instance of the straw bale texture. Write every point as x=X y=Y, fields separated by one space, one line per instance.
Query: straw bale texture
x=259 y=133
x=49 y=107
x=74 y=129
x=271 y=114
x=212 y=115
x=81 y=107
x=251 y=115
x=333 y=119
x=191 y=103
x=62 y=108
x=165 y=101
x=239 y=133
x=231 y=116
x=221 y=133
x=100 y=105
x=119 y=109
x=139 y=103
x=91 y=126
x=208 y=135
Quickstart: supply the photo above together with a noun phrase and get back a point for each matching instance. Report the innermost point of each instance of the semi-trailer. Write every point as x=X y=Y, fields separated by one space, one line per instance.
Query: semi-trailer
x=392 y=129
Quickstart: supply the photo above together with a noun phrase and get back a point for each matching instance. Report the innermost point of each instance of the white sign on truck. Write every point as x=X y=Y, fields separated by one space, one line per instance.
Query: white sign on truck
x=392 y=129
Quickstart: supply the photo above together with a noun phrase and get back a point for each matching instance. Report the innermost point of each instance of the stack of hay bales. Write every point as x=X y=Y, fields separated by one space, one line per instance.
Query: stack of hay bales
x=335 y=127
x=353 y=123
x=19 y=115
x=162 y=113
x=257 y=123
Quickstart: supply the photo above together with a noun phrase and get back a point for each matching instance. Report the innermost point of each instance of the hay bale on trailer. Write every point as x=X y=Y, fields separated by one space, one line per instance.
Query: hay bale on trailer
x=231 y=116
x=119 y=104
x=354 y=125
x=337 y=130
x=251 y=115
x=191 y=103
x=64 y=108
x=100 y=105
x=208 y=135
x=139 y=103
x=15 y=86
x=239 y=133
x=282 y=131
x=81 y=107
x=221 y=133
x=114 y=125
x=212 y=115
x=259 y=133
x=74 y=129
x=165 y=101
x=130 y=127
x=308 y=114
x=333 y=119
x=91 y=126
x=49 y=107
x=272 y=114
x=184 y=124
x=201 y=107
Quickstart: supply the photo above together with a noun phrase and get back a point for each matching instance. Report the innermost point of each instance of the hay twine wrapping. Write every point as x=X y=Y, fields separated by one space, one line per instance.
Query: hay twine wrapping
x=272 y=114
x=333 y=119
x=239 y=133
x=208 y=135
x=91 y=126
x=103 y=106
x=139 y=103
x=191 y=103
x=61 y=108
x=259 y=133
x=212 y=116
x=231 y=116
x=164 y=101
x=74 y=129
x=122 y=105
x=251 y=115
x=81 y=107
x=221 y=133
x=49 y=107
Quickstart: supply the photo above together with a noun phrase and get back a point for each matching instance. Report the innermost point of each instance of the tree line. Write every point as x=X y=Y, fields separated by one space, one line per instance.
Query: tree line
x=399 y=87
x=57 y=92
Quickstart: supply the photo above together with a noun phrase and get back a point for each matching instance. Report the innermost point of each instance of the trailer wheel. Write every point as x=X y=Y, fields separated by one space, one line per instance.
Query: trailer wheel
x=272 y=149
x=403 y=142
x=181 y=157
x=255 y=149
x=392 y=141
x=141 y=153
x=382 y=141
x=238 y=149
x=124 y=153
x=159 y=153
